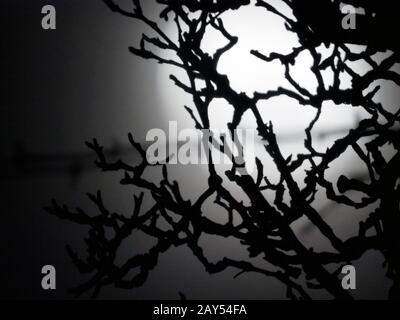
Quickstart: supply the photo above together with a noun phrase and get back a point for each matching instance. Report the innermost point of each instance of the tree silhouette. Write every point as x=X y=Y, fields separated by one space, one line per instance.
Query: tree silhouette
x=265 y=227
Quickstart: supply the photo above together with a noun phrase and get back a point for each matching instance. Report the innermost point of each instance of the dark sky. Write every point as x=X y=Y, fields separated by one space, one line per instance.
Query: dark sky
x=64 y=87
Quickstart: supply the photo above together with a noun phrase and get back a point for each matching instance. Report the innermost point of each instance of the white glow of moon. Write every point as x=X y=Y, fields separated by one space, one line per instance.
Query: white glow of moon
x=257 y=29
x=261 y=30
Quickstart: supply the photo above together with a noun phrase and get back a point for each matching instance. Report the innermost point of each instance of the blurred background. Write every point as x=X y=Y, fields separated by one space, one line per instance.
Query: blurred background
x=64 y=87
